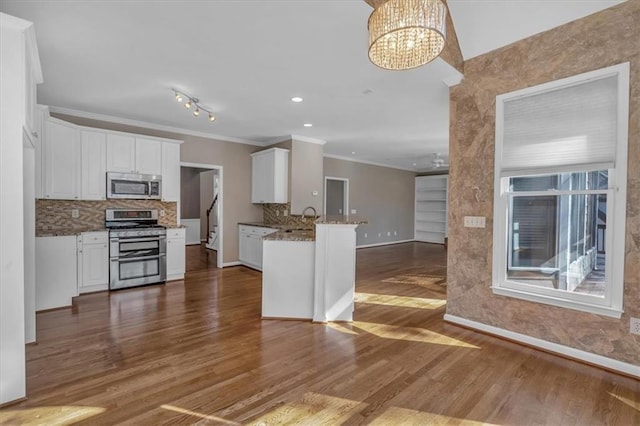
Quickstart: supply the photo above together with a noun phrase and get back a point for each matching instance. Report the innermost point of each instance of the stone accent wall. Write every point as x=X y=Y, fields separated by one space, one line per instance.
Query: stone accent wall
x=273 y=214
x=55 y=215
x=603 y=39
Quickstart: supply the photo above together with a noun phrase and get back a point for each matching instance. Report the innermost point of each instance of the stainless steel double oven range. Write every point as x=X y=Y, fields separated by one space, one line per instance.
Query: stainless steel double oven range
x=137 y=248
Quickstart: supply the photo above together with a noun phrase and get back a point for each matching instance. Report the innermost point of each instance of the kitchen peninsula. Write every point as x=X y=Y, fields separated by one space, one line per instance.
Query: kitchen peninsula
x=310 y=274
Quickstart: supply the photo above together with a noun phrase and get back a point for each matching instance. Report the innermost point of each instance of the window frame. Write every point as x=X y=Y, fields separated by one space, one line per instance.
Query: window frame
x=612 y=303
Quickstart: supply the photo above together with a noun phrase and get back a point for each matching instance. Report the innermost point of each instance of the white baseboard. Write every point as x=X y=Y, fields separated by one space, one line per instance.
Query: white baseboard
x=588 y=357
x=386 y=243
x=235 y=263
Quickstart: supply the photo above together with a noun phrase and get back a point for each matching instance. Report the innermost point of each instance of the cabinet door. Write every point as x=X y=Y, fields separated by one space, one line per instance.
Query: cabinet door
x=56 y=279
x=148 y=156
x=95 y=265
x=61 y=161
x=121 y=153
x=170 y=171
x=262 y=184
x=244 y=243
x=269 y=176
x=94 y=164
x=176 y=254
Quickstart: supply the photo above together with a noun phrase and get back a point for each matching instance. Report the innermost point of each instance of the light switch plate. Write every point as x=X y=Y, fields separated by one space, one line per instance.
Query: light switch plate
x=75 y=213
x=474 y=221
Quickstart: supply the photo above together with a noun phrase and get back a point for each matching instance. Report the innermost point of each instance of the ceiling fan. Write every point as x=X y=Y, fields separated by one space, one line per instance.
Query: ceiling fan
x=438 y=162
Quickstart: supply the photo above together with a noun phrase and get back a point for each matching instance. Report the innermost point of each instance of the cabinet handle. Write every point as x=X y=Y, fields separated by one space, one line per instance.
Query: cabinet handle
x=34 y=134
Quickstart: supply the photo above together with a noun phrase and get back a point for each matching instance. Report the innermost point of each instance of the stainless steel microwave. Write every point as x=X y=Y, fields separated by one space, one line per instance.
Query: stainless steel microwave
x=134 y=186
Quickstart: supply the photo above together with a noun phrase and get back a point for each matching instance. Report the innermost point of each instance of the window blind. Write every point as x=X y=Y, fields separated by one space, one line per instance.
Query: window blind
x=560 y=128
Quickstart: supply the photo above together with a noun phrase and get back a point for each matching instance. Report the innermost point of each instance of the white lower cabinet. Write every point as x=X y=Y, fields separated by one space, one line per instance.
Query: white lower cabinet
x=56 y=272
x=250 y=245
x=175 y=254
x=93 y=261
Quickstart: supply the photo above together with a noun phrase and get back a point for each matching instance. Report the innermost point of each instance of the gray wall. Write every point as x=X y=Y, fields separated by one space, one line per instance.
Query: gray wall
x=189 y=193
x=306 y=176
x=233 y=157
x=382 y=195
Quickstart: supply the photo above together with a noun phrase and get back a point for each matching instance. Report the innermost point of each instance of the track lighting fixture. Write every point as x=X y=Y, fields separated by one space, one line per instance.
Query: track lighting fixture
x=195 y=102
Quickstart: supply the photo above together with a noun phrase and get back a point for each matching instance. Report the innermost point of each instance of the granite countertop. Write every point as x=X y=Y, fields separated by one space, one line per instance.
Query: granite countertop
x=291 y=235
x=340 y=220
x=64 y=232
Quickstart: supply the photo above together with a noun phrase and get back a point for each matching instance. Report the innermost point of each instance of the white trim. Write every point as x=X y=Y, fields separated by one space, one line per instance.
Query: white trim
x=292 y=137
x=578 y=354
x=345 y=195
x=32 y=51
x=220 y=169
x=388 y=243
x=148 y=125
x=453 y=80
x=234 y=263
x=308 y=139
x=373 y=163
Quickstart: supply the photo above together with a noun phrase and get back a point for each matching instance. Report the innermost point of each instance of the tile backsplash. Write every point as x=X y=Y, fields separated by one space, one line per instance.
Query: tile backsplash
x=56 y=215
x=274 y=214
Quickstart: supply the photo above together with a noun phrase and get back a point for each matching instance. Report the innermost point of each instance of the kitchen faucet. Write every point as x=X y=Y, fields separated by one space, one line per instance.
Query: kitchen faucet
x=305 y=210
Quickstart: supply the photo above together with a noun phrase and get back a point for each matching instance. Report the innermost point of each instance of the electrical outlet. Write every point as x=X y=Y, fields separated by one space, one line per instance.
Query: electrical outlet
x=634 y=326
x=365 y=235
x=277 y=213
x=474 y=221
x=388 y=233
x=314 y=193
x=379 y=234
x=353 y=211
x=395 y=233
x=161 y=212
x=75 y=213
x=284 y=213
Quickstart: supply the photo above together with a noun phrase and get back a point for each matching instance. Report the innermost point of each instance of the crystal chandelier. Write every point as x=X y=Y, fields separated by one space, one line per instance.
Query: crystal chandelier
x=405 y=34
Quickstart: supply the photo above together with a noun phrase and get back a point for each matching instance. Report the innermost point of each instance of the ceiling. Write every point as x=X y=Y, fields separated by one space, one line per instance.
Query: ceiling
x=245 y=59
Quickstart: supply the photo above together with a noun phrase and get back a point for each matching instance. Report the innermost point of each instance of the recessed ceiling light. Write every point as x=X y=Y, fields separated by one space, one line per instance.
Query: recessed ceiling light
x=353 y=153
x=414 y=164
x=308 y=125
x=296 y=99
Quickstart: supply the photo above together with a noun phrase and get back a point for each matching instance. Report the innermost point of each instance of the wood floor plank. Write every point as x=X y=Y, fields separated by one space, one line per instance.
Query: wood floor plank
x=197 y=352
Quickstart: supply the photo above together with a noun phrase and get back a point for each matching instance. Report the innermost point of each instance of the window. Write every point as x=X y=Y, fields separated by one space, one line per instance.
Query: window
x=560 y=192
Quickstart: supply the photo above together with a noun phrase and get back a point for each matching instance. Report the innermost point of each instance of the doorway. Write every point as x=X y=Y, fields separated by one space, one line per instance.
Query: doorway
x=336 y=196
x=201 y=204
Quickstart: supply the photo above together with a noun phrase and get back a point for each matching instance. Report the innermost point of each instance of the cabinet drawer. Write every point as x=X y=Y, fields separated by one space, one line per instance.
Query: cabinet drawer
x=94 y=237
x=176 y=233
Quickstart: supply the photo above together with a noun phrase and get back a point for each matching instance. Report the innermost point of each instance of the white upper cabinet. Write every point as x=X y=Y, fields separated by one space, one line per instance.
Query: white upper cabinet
x=121 y=153
x=74 y=160
x=170 y=171
x=94 y=164
x=61 y=160
x=132 y=154
x=148 y=156
x=270 y=176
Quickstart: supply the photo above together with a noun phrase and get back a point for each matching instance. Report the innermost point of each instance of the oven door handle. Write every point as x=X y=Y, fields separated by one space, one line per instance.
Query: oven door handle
x=132 y=259
x=137 y=239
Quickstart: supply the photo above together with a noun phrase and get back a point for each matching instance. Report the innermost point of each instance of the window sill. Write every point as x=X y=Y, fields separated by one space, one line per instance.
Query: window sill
x=554 y=301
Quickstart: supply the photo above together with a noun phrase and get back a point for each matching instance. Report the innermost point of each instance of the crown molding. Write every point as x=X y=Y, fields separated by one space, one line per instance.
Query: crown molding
x=148 y=125
x=292 y=137
x=371 y=163
x=308 y=139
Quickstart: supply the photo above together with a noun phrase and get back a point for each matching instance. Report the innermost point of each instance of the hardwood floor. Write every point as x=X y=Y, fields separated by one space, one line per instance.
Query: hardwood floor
x=198 y=352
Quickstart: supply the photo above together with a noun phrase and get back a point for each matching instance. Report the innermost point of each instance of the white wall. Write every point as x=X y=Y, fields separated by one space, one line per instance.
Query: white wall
x=12 y=107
